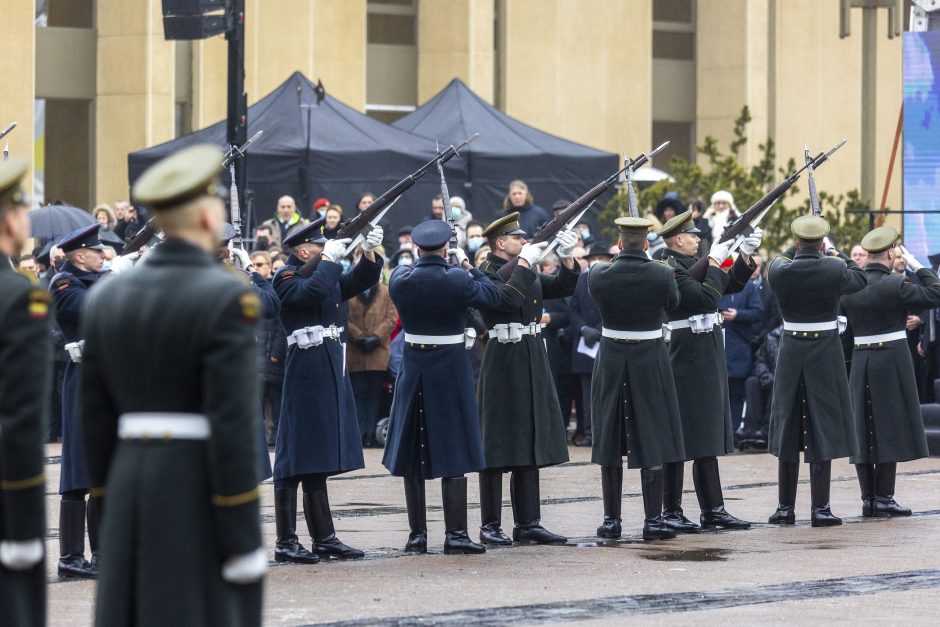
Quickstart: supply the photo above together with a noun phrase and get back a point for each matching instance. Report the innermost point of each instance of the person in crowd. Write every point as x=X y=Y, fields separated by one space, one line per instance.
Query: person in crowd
x=70 y=289
x=521 y=424
x=720 y=213
x=697 y=351
x=579 y=254
x=130 y=220
x=481 y=256
x=812 y=407
x=634 y=404
x=27 y=263
x=105 y=216
x=273 y=340
x=758 y=390
x=668 y=207
x=171 y=439
x=697 y=207
x=277 y=262
x=437 y=208
x=332 y=217
x=741 y=312
x=319 y=208
x=462 y=218
x=404 y=235
x=404 y=256
x=770 y=309
x=586 y=333
x=25 y=344
x=371 y=318
x=264 y=237
x=261 y=260
x=586 y=238
x=285 y=218
x=318 y=433
x=558 y=345
x=366 y=199
x=889 y=426
x=434 y=428
x=520 y=200
x=474 y=239
x=859 y=255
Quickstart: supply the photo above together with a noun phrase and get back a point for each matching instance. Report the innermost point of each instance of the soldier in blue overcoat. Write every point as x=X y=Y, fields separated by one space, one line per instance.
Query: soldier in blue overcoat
x=81 y=271
x=434 y=429
x=318 y=433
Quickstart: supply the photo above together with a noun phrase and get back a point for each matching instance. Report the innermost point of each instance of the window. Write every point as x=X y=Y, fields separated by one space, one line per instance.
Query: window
x=391 y=59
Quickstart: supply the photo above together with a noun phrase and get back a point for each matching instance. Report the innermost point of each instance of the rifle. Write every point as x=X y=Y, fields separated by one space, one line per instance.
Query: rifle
x=236 y=152
x=748 y=221
x=6 y=147
x=371 y=215
x=568 y=218
x=144 y=235
x=813 y=196
x=448 y=211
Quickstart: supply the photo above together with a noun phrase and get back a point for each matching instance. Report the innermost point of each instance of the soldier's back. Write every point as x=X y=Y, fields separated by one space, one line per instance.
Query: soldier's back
x=633 y=292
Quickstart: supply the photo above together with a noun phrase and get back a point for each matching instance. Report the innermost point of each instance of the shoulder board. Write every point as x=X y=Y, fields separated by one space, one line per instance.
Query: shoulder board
x=38 y=303
x=60 y=281
x=484 y=266
x=669 y=263
x=287 y=272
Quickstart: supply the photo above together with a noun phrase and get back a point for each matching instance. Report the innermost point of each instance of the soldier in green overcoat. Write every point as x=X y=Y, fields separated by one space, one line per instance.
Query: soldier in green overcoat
x=521 y=421
x=888 y=421
x=811 y=410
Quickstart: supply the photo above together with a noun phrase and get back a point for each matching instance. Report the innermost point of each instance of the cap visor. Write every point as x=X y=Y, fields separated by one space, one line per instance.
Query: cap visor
x=692 y=230
x=518 y=232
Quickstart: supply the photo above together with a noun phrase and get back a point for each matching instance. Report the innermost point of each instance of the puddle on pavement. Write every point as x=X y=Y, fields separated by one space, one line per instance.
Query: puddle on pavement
x=688 y=555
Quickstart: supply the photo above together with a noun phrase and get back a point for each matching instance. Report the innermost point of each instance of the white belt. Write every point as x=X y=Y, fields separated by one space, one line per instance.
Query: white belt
x=616 y=334
x=163 y=426
x=75 y=350
x=467 y=338
x=308 y=337
x=880 y=339
x=513 y=332
x=831 y=325
x=701 y=323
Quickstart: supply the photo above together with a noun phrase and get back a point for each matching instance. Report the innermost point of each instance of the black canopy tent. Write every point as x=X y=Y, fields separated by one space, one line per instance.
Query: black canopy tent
x=507 y=149
x=347 y=153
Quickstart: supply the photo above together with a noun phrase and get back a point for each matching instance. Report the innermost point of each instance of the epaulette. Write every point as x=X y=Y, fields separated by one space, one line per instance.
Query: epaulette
x=669 y=263
x=285 y=273
x=60 y=281
x=484 y=266
x=251 y=307
x=38 y=303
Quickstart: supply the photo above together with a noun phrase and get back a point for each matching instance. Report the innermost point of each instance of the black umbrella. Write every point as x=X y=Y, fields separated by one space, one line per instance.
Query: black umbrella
x=109 y=237
x=54 y=221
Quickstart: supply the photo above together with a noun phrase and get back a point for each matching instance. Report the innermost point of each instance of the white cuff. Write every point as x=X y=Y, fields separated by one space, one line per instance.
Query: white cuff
x=245 y=568
x=22 y=554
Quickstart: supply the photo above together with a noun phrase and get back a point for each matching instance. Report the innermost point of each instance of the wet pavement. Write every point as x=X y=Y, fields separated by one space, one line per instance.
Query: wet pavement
x=886 y=570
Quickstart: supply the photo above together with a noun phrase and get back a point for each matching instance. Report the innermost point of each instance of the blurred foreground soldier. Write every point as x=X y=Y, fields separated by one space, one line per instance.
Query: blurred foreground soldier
x=318 y=432
x=25 y=360
x=888 y=422
x=170 y=396
x=812 y=408
x=522 y=426
x=633 y=398
x=697 y=351
x=434 y=429
x=70 y=288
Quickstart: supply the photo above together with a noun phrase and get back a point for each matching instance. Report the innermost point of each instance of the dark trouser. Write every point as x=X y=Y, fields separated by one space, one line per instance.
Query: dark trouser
x=584 y=416
x=565 y=385
x=271 y=393
x=736 y=394
x=55 y=411
x=367 y=386
x=758 y=406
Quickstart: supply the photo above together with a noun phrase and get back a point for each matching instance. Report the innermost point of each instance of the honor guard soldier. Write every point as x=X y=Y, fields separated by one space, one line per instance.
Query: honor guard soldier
x=434 y=428
x=318 y=432
x=889 y=426
x=697 y=351
x=170 y=399
x=633 y=398
x=25 y=366
x=522 y=425
x=81 y=271
x=812 y=408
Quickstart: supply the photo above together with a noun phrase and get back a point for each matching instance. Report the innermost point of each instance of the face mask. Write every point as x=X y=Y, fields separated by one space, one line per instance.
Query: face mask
x=405 y=261
x=585 y=234
x=474 y=243
x=262 y=243
x=456 y=212
x=106 y=266
x=345 y=264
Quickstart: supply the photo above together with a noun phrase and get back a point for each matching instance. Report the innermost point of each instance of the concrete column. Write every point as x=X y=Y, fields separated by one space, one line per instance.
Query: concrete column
x=135 y=89
x=17 y=67
x=455 y=40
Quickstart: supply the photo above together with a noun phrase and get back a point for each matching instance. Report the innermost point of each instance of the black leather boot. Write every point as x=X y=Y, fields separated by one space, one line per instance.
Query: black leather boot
x=456 y=540
x=527 y=509
x=819 y=482
x=287 y=547
x=417 y=516
x=491 y=509
x=320 y=522
x=884 y=505
x=866 y=482
x=654 y=527
x=93 y=518
x=612 y=488
x=72 y=541
x=673 y=516
x=788 y=475
x=707 y=482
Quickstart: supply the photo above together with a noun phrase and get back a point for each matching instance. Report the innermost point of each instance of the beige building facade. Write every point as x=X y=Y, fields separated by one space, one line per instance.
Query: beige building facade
x=89 y=81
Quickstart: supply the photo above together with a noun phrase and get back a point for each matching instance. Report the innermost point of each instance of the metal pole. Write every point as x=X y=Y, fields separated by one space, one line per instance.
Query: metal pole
x=869 y=93
x=237 y=123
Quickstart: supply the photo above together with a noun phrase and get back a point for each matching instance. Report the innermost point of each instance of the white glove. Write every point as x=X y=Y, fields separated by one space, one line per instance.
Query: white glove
x=719 y=252
x=240 y=258
x=827 y=246
x=373 y=239
x=459 y=254
x=752 y=242
x=124 y=263
x=333 y=250
x=567 y=241
x=532 y=253
x=245 y=568
x=910 y=259
x=21 y=554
